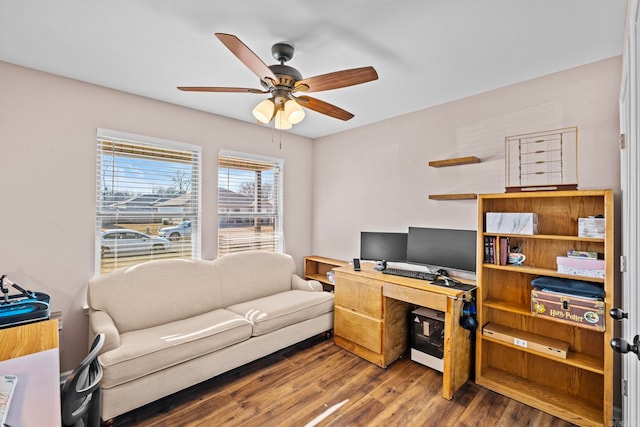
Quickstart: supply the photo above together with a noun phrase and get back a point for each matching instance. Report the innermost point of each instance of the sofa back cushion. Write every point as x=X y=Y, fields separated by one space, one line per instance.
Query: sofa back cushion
x=156 y=292
x=249 y=275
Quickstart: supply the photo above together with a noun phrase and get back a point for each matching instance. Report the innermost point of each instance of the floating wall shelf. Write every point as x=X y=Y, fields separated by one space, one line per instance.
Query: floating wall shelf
x=454 y=162
x=463 y=196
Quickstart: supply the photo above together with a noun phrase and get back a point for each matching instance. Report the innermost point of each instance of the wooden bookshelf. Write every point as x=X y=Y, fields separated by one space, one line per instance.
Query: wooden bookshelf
x=578 y=389
x=316 y=268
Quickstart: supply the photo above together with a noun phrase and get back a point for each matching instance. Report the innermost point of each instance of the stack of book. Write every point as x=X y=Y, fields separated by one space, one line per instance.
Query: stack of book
x=496 y=250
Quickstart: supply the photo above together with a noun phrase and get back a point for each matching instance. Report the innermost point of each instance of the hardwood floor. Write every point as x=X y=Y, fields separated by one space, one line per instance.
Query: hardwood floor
x=299 y=385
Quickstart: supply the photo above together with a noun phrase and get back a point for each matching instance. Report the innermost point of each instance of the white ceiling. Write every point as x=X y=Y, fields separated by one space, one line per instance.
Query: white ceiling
x=426 y=52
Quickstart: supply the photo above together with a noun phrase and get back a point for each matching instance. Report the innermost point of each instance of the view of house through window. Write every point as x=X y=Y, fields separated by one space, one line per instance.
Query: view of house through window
x=147 y=200
x=249 y=203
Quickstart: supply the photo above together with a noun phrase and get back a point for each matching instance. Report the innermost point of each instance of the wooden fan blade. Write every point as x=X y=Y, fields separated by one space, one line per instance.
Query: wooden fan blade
x=323 y=107
x=338 y=79
x=220 y=89
x=248 y=58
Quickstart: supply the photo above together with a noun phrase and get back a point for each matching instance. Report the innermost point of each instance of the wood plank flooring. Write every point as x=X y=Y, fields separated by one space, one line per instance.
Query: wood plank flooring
x=316 y=383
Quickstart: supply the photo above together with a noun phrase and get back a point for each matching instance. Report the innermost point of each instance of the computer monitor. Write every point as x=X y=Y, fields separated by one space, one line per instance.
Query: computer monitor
x=377 y=246
x=442 y=248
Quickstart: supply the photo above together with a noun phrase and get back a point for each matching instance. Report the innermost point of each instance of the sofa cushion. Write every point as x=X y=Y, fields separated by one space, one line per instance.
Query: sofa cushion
x=170 y=290
x=283 y=309
x=149 y=350
x=249 y=275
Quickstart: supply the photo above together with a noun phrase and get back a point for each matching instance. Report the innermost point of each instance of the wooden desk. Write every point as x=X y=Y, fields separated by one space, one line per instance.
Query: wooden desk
x=27 y=339
x=371 y=310
x=31 y=352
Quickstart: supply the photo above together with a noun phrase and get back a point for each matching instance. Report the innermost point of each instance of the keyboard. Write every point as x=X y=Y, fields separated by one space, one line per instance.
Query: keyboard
x=422 y=275
x=431 y=277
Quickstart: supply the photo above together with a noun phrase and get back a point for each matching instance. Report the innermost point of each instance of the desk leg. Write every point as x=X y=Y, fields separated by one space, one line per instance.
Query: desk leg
x=457 y=350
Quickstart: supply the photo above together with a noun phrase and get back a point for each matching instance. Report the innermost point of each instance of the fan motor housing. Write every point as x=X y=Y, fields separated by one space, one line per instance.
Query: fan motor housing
x=287 y=75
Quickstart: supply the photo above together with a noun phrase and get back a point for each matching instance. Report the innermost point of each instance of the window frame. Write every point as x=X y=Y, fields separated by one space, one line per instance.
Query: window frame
x=248 y=158
x=158 y=150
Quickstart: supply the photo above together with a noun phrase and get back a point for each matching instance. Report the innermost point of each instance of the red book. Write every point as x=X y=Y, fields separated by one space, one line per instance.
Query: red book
x=504 y=250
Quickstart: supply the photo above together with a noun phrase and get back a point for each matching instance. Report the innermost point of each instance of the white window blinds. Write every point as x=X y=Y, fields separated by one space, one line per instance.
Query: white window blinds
x=147 y=194
x=249 y=203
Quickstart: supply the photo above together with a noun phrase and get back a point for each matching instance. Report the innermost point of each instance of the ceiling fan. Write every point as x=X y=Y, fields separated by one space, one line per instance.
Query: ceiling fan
x=283 y=82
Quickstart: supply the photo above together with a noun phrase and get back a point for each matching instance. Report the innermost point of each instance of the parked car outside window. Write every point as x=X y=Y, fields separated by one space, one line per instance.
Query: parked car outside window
x=123 y=241
x=176 y=232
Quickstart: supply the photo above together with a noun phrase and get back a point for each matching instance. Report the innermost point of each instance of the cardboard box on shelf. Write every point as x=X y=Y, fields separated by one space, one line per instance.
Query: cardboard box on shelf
x=591 y=227
x=511 y=223
x=588 y=267
x=527 y=340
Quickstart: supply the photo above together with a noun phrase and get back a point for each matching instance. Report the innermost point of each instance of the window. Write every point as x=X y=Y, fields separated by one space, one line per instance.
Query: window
x=249 y=203
x=147 y=200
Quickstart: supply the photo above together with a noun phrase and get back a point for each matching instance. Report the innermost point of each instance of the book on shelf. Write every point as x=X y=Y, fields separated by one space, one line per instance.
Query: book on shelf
x=496 y=250
x=504 y=250
x=488 y=249
x=583 y=254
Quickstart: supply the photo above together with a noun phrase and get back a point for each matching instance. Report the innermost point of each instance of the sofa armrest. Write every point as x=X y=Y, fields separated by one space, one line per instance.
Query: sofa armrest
x=298 y=283
x=101 y=322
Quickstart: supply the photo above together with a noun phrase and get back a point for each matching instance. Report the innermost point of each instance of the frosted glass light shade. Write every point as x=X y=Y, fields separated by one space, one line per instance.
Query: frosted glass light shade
x=263 y=112
x=293 y=112
x=281 y=120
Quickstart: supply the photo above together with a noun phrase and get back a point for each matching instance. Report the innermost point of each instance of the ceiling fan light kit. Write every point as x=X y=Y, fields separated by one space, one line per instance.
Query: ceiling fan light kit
x=281 y=121
x=282 y=81
x=263 y=112
x=293 y=111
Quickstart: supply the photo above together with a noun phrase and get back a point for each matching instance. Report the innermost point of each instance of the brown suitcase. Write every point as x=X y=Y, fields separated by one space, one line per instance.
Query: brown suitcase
x=571 y=309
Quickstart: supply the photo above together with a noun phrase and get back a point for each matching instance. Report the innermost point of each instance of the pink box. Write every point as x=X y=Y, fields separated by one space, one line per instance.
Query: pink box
x=581 y=266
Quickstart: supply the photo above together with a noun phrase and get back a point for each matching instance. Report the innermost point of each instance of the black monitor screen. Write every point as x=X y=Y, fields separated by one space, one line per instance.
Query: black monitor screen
x=442 y=248
x=383 y=246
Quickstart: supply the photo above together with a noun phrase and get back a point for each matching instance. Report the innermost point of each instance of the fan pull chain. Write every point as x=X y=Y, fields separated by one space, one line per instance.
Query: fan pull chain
x=279 y=137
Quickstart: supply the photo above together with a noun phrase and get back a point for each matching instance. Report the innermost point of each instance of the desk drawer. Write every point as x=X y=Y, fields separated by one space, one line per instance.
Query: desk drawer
x=358 y=328
x=364 y=295
x=416 y=296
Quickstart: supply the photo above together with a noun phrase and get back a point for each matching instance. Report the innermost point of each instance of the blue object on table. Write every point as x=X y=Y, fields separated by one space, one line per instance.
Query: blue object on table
x=26 y=307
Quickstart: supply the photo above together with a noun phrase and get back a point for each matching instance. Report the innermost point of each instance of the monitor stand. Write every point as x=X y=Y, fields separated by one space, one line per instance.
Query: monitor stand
x=380 y=265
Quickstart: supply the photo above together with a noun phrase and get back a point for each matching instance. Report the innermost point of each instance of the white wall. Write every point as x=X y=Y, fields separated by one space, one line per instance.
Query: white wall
x=48 y=181
x=377 y=178
x=371 y=178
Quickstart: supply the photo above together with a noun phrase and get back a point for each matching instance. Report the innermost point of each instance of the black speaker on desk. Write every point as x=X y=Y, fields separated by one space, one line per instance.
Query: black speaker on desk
x=427 y=337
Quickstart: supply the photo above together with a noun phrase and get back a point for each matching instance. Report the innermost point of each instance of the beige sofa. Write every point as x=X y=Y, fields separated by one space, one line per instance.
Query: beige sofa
x=170 y=324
